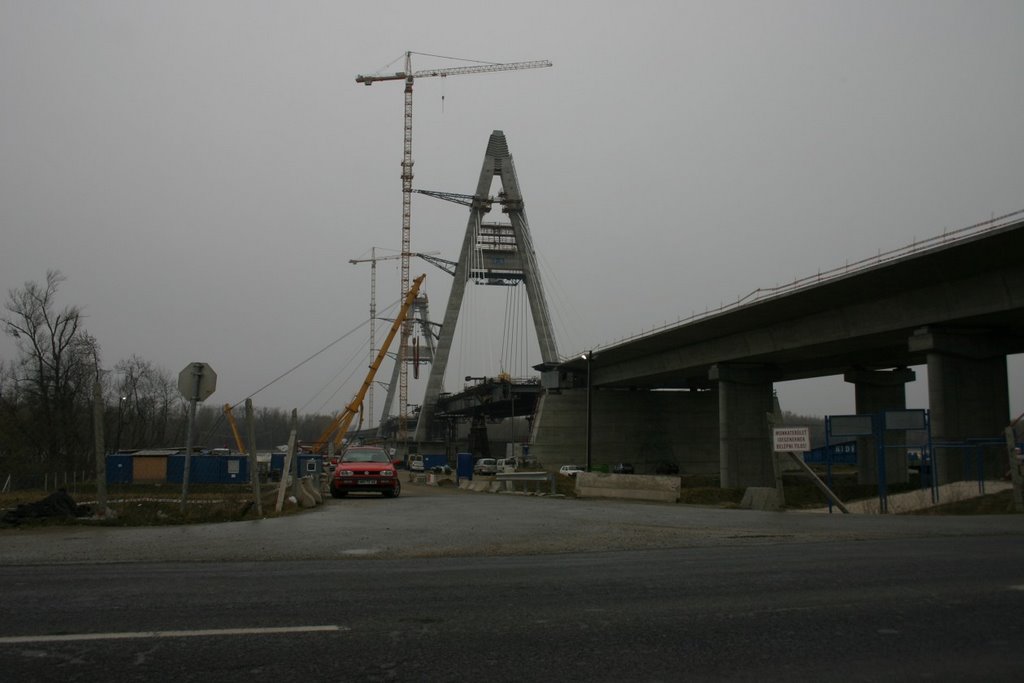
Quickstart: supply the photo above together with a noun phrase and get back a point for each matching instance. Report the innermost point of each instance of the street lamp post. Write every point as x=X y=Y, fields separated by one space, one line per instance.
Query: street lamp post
x=120 y=408
x=589 y=357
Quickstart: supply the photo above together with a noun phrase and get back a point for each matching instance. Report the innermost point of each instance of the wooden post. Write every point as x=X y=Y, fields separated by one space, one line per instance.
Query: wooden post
x=288 y=458
x=780 y=491
x=819 y=483
x=101 y=456
x=1015 y=473
x=254 y=473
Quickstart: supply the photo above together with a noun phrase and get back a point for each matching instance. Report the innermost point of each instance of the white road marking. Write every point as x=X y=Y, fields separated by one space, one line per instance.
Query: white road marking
x=128 y=635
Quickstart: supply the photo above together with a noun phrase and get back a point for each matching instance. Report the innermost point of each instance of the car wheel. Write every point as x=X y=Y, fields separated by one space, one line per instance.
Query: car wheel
x=335 y=493
x=395 y=492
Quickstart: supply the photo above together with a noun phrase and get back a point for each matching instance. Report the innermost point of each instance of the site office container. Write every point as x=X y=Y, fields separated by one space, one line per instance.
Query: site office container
x=168 y=467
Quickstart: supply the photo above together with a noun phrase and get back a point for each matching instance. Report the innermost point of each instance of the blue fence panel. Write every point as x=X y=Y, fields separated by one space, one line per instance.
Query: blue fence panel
x=844 y=453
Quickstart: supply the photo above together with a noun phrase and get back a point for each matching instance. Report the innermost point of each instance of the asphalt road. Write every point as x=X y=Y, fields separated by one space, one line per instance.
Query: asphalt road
x=448 y=586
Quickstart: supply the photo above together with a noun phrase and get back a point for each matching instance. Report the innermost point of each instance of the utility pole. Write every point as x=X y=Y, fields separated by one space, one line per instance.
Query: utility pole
x=101 y=456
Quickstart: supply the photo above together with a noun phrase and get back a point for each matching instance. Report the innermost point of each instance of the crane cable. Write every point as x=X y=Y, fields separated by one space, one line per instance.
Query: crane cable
x=333 y=343
x=292 y=369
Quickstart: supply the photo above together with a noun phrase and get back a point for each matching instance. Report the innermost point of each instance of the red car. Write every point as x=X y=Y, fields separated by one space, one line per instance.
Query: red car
x=365 y=468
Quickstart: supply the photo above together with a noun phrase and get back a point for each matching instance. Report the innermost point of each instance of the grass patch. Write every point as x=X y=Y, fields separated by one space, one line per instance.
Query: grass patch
x=992 y=504
x=156 y=505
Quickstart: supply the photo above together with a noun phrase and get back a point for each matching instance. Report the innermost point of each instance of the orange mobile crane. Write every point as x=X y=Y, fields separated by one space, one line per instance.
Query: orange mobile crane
x=234 y=428
x=338 y=428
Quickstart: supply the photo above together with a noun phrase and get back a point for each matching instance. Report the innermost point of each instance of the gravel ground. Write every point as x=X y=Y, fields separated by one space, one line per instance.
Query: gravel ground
x=432 y=521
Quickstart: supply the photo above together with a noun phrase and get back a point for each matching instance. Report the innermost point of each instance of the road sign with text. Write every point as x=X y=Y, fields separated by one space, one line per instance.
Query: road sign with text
x=791 y=439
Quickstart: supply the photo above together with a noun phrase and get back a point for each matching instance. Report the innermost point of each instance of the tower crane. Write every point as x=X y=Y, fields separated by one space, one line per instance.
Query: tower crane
x=408 y=75
x=373 y=304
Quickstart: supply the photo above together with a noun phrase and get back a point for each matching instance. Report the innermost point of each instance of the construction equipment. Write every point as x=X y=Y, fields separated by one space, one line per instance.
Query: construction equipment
x=234 y=428
x=409 y=76
x=430 y=258
x=338 y=428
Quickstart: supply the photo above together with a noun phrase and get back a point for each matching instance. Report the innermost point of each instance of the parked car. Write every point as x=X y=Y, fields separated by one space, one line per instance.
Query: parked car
x=622 y=468
x=570 y=470
x=485 y=466
x=365 y=468
x=415 y=463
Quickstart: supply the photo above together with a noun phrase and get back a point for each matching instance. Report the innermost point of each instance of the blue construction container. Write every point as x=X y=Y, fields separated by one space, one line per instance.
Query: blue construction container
x=308 y=463
x=209 y=469
x=434 y=460
x=119 y=468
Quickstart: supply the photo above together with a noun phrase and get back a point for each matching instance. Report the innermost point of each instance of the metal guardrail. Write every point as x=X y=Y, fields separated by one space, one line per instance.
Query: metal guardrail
x=767 y=293
x=528 y=477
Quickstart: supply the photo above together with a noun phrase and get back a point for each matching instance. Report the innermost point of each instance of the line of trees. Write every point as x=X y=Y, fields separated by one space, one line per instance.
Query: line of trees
x=46 y=414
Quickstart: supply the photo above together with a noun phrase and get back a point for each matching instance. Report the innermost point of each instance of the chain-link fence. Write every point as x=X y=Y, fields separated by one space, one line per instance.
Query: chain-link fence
x=70 y=481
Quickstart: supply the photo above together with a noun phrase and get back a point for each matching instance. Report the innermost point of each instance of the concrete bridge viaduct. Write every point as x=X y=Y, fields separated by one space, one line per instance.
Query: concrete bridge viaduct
x=698 y=393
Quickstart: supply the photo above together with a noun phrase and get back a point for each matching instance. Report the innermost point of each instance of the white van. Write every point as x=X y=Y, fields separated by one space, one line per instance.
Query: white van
x=507 y=465
x=415 y=463
x=485 y=466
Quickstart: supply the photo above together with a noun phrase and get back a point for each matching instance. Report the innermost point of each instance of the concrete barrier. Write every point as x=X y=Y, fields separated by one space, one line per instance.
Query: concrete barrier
x=305 y=494
x=760 y=498
x=663 y=489
x=315 y=489
x=434 y=479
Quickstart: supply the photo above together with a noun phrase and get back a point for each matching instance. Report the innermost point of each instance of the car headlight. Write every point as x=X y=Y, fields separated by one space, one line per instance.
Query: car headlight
x=387 y=473
x=344 y=473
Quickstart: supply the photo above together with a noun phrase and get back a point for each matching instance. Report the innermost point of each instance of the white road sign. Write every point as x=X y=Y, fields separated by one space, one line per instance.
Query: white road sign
x=795 y=439
x=187 y=381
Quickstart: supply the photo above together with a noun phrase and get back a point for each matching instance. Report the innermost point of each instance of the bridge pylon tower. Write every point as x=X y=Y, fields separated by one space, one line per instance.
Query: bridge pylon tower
x=492 y=254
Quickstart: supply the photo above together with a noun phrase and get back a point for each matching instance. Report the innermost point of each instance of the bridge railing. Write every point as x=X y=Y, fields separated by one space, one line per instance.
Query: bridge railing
x=766 y=293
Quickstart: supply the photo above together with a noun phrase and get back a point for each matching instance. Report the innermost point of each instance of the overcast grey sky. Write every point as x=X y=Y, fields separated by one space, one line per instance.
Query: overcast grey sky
x=203 y=171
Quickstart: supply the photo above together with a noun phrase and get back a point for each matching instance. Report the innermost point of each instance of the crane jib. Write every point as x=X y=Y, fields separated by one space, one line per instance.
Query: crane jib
x=455 y=71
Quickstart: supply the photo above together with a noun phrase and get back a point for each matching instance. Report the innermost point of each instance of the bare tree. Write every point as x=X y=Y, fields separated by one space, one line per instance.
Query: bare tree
x=58 y=362
x=146 y=398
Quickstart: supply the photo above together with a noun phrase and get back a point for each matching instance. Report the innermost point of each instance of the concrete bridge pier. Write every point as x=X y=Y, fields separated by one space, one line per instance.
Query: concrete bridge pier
x=745 y=397
x=968 y=394
x=877 y=391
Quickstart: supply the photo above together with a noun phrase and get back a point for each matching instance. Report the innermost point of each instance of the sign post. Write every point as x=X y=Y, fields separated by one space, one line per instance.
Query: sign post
x=793 y=440
x=195 y=382
x=786 y=439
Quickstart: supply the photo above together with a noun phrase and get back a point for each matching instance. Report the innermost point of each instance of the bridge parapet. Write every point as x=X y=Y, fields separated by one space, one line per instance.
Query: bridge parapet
x=945 y=240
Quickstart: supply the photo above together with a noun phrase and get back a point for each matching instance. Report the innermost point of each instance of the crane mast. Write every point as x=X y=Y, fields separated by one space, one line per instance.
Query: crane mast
x=409 y=76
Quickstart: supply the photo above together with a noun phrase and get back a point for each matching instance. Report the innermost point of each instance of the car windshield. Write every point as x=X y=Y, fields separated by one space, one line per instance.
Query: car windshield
x=365 y=456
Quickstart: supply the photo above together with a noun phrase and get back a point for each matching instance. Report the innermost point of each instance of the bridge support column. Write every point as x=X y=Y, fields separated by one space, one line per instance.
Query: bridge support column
x=968 y=395
x=745 y=398
x=877 y=391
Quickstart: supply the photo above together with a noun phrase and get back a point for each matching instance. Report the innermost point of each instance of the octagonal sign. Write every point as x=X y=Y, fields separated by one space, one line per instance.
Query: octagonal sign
x=187 y=381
